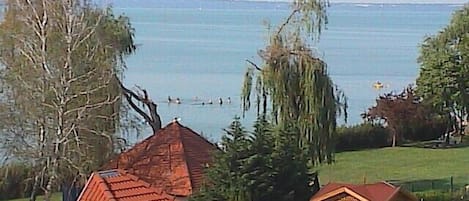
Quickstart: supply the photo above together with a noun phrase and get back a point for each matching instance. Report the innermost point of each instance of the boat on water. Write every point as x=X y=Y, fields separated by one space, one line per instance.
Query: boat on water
x=378 y=85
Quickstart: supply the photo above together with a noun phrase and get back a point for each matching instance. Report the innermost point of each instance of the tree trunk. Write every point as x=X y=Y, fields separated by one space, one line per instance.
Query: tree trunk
x=48 y=191
x=394 y=140
x=394 y=132
x=32 y=197
x=50 y=184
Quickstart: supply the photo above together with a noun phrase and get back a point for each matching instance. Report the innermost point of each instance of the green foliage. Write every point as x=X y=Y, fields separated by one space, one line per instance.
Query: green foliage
x=267 y=165
x=399 y=164
x=54 y=197
x=260 y=163
x=61 y=105
x=444 y=59
x=294 y=85
x=406 y=117
x=374 y=135
x=361 y=136
x=291 y=173
x=426 y=130
x=225 y=177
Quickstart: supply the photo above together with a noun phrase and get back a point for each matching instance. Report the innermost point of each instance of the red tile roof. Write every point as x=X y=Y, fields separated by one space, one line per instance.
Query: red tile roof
x=172 y=159
x=381 y=191
x=118 y=185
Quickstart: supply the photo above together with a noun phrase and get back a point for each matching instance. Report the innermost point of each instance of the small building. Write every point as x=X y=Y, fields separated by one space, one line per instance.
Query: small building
x=172 y=160
x=118 y=185
x=381 y=191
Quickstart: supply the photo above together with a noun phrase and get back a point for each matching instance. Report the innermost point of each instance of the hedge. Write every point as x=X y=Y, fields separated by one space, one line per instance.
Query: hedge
x=361 y=136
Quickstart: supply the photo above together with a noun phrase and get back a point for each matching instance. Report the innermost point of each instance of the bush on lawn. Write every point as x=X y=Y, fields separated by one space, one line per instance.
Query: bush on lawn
x=426 y=130
x=361 y=136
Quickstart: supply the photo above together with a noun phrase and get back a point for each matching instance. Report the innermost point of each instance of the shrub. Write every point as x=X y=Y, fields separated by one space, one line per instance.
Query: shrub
x=14 y=181
x=361 y=136
x=406 y=117
x=425 y=130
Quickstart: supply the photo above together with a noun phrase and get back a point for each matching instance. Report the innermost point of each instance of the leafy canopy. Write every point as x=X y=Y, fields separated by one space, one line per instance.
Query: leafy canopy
x=264 y=165
x=444 y=67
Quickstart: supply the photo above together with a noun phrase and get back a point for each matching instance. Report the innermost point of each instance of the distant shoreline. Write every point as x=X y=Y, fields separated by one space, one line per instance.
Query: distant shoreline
x=367 y=3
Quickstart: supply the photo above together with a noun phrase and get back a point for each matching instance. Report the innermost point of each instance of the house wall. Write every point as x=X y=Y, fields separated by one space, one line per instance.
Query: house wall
x=181 y=199
x=402 y=197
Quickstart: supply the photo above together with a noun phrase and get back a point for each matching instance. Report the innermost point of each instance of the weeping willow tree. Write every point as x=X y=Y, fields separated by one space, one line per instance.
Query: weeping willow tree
x=293 y=86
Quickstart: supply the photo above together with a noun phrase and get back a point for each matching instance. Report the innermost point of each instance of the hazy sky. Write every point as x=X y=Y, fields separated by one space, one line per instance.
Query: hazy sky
x=400 y=1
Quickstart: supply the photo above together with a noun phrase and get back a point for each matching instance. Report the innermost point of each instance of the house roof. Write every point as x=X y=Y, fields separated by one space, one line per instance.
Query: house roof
x=118 y=185
x=172 y=159
x=381 y=191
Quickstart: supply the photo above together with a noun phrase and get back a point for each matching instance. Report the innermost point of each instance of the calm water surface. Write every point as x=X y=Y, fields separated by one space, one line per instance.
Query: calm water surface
x=198 y=48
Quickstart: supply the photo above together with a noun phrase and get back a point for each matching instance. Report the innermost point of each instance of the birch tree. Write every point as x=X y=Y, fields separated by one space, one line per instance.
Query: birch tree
x=61 y=102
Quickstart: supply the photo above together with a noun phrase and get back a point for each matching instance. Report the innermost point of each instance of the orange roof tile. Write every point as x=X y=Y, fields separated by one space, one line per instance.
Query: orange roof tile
x=380 y=191
x=172 y=159
x=118 y=185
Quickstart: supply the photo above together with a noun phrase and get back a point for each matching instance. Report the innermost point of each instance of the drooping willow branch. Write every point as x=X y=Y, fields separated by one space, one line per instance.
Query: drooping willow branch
x=287 y=21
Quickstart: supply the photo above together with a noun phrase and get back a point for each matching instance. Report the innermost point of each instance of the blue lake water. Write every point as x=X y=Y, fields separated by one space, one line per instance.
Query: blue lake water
x=198 y=49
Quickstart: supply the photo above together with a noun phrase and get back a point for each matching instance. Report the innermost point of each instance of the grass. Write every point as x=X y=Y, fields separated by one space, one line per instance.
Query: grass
x=55 y=197
x=405 y=164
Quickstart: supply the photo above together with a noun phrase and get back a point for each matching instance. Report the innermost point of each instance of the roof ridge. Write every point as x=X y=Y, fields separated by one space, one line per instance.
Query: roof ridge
x=184 y=154
x=387 y=183
x=196 y=134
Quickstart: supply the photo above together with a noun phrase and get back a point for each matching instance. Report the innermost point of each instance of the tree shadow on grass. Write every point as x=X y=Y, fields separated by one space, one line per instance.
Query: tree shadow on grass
x=437 y=144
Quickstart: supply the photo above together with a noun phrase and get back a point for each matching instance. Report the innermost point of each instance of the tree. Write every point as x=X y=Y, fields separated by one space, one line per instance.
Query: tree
x=292 y=177
x=444 y=68
x=152 y=117
x=405 y=116
x=225 y=180
x=61 y=103
x=266 y=165
x=293 y=82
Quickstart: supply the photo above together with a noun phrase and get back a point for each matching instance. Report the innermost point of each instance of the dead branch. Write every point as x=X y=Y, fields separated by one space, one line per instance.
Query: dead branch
x=153 y=118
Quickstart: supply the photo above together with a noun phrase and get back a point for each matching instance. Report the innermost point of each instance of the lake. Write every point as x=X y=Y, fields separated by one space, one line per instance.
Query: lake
x=197 y=49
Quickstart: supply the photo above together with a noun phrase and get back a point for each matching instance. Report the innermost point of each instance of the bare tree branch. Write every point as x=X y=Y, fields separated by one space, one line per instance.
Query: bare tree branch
x=154 y=118
x=254 y=64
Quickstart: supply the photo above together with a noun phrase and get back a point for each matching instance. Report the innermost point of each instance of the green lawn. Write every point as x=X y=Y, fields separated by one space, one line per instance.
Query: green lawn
x=400 y=163
x=55 y=197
